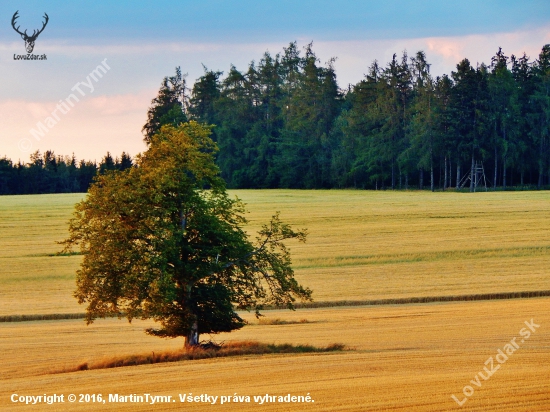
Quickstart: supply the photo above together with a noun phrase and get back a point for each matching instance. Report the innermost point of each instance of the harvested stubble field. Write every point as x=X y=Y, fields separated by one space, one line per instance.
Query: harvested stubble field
x=404 y=358
x=362 y=246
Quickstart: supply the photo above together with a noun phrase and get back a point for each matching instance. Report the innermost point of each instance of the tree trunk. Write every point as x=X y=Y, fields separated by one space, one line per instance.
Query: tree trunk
x=392 y=176
x=496 y=165
x=472 y=174
x=406 y=181
x=450 y=172
x=504 y=174
x=440 y=174
x=541 y=163
x=432 y=175
x=457 y=175
x=400 y=179
x=521 y=179
x=192 y=338
x=445 y=181
x=421 y=179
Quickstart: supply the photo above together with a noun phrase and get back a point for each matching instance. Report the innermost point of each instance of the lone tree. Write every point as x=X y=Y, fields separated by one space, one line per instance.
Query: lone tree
x=163 y=240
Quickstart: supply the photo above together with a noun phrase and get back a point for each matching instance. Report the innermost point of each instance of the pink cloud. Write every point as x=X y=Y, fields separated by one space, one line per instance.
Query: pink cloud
x=443 y=53
x=121 y=104
x=92 y=127
x=480 y=48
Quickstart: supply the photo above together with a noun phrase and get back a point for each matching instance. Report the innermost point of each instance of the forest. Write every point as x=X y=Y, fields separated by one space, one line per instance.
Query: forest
x=48 y=173
x=284 y=122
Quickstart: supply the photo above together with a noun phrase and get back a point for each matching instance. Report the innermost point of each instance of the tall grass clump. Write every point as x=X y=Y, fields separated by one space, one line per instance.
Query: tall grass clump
x=205 y=351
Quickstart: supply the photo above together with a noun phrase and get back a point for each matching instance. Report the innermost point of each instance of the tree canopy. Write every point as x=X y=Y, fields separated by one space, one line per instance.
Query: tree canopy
x=284 y=122
x=163 y=240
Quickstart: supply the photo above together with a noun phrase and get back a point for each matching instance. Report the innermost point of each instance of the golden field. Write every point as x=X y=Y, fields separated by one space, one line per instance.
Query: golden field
x=362 y=245
x=404 y=358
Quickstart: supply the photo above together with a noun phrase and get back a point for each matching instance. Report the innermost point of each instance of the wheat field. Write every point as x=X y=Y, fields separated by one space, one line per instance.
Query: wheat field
x=403 y=358
x=361 y=246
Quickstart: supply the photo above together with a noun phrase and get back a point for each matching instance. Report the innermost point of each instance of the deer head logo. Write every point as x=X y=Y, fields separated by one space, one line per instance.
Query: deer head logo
x=29 y=40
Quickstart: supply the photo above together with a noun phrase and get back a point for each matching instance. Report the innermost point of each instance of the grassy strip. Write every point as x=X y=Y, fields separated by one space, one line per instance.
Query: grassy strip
x=74 y=253
x=383 y=259
x=46 y=316
x=229 y=349
x=326 y=304
x=277 y=321
x=424 y=299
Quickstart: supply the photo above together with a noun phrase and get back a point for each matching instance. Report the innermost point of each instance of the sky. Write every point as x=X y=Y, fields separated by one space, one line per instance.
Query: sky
x=137 y=43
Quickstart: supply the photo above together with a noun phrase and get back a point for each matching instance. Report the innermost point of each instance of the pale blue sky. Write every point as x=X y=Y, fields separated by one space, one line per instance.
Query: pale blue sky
x=144 y=40
x=240 y=20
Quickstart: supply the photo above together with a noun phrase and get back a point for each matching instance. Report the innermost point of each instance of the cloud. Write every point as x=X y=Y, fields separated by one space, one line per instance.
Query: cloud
x=120 y=105
x=443 y=53
x=481 y=48
x=92 y=127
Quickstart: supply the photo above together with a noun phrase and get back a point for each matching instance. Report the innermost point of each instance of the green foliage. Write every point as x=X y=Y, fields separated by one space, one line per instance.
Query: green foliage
x=168 y=107
x=274 y=121
x=163 y=240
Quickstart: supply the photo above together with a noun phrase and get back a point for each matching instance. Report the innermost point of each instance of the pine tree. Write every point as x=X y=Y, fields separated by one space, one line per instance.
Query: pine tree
x=169 y=107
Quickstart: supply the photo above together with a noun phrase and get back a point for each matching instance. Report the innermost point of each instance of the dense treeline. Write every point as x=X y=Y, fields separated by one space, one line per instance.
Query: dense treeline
x=285 y=123
x=49 y=173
